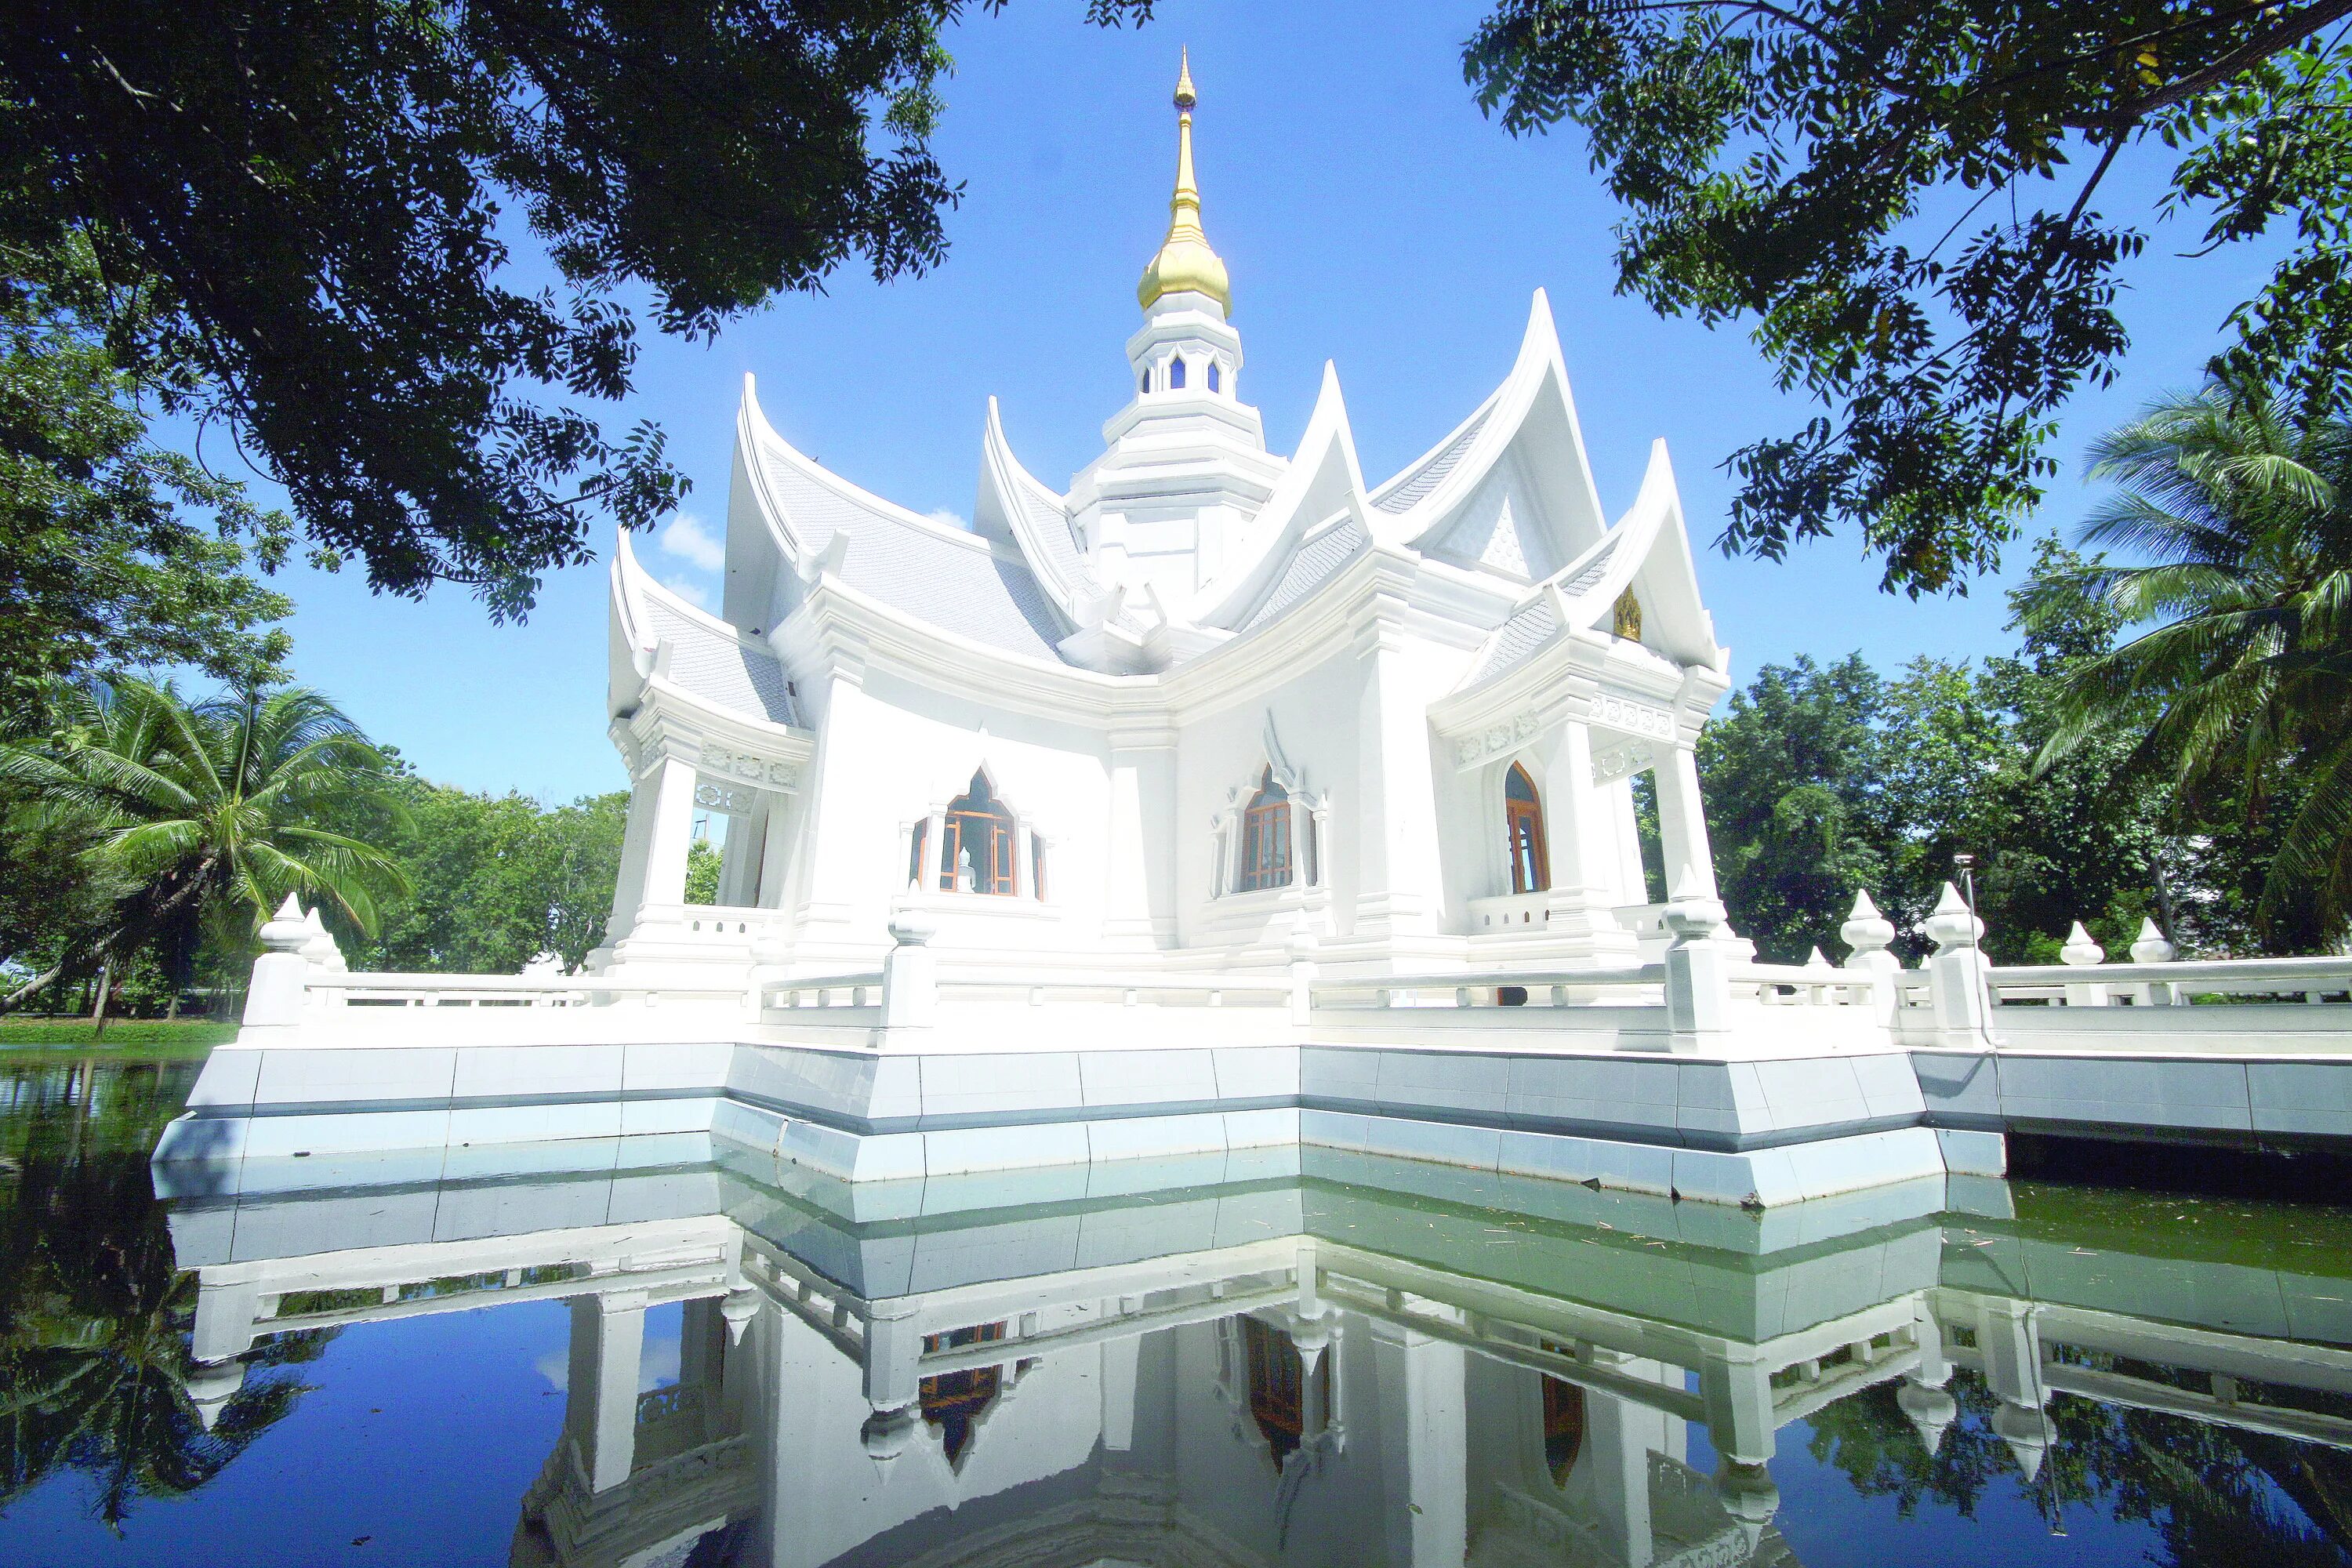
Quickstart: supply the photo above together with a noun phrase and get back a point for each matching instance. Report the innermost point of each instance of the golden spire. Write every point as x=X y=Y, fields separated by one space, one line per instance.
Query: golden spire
x=1185 y=263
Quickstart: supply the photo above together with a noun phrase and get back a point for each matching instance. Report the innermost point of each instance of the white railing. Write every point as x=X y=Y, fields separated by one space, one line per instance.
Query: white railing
x=2178 y=982
x=1127 y=989
x=824 y=990
x=1534 y=988
x=392 y=989
x=1804 y=985
x=1037 y=987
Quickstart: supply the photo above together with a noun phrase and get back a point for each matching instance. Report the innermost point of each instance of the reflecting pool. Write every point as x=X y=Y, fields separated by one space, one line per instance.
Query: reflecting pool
x=671 y=1351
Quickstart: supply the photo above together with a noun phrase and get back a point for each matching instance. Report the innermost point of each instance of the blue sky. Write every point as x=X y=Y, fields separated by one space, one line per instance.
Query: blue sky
x=1370 y=216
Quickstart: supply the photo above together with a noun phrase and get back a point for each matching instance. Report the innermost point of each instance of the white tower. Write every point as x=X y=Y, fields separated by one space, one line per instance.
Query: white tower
x=1187 y=466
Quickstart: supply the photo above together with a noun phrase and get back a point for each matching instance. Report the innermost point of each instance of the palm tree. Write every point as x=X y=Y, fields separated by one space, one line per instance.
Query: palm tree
x=200 y=817
x=2243 y=515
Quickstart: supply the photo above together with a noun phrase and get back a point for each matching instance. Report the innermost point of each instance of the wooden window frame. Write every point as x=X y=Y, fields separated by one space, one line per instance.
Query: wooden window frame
x=1523 y=833
x=1267 y=847
x=980 y=816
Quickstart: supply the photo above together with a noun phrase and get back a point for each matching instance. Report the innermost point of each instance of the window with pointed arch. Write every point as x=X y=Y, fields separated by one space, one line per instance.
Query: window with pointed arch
x=1266 y=838
x=1563 y=1427
x=1524 y=826
x=1215 y=380
x=953 y=1401
x=1176 y=374
x=1145 y=385
x=976 y=849
x=1277 y=1388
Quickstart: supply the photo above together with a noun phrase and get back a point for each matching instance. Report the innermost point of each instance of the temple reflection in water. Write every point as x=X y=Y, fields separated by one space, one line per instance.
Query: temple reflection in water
x=1233 y=1365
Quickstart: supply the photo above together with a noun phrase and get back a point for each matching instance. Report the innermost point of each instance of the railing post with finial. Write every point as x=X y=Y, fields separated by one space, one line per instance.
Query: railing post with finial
x=910 y=982
x=2081 y=949
x=275 y=997
x=1868 y=934
x=2152 y=948
x=1698 y=986
x=1956 y=979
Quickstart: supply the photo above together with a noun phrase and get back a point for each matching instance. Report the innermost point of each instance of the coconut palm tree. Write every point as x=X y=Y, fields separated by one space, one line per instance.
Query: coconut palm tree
x=200 y=817
x=2240 y=513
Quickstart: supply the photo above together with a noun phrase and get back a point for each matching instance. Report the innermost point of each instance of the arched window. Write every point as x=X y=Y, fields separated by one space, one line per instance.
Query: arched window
x=953 y=1400
x=1523 y=819
x=1146 y=385
x=1563 y=1427
x=1176 y=374
x=1214 y=380
x=1276 y=1389
x=976 y=850
x=1265 y=836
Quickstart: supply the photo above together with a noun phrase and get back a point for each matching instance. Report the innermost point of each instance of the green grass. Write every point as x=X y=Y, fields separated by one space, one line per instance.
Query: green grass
x=36 y=1040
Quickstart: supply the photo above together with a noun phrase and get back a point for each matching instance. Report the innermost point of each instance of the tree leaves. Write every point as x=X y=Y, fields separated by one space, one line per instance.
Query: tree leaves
x=303 y=217
x=1898 y=197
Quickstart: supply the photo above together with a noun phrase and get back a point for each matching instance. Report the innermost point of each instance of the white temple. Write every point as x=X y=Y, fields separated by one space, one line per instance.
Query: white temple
x=1203 y=700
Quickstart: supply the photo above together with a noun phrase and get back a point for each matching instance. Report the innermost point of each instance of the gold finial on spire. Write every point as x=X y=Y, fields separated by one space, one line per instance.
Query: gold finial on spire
x=1185 y=263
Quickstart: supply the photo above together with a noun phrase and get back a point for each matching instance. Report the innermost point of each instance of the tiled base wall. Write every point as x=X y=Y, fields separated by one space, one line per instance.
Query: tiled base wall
x=1729 y=1133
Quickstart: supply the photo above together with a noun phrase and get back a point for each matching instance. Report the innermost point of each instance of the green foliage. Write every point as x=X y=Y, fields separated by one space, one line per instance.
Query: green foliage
x=702 y=866
x=494 y=880
x=1823 y=781
x=1899 y=195
x=302 y=215
x=101 y=566
x=2241 y=515
x=95 y=1314
x=194 y=820
x=2213 y=1495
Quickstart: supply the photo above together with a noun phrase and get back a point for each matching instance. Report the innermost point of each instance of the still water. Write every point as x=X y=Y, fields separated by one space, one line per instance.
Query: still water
x=660 y=1352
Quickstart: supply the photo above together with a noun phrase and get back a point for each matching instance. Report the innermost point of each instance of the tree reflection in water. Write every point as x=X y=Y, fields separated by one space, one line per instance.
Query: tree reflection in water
x=94 y=1317
x=2214 y=1494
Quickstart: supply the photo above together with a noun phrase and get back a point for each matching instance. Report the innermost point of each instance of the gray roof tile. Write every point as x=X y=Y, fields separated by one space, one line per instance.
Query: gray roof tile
x=1432 y=472
x=717 y=668
x=972 y=593
x=1310 y=567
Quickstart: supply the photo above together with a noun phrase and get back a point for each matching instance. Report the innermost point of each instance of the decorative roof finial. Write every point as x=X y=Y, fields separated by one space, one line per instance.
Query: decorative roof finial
x=1185 y=263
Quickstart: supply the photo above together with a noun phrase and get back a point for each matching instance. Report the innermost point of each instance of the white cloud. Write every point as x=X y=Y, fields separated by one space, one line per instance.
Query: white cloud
x=947 y=519
x=685 y=537
x=687 y=588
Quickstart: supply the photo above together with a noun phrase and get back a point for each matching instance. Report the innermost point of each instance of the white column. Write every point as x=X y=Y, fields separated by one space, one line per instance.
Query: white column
x=935 y=835
x=1619 y=1435
x=1424 y=1447
x=1119 y=1358
x=781 y=821
x=1682 y=825
x=1139 y=860
x=1582 y=849
x=746 y=850
x=702 y=1347
x=653 y=848
x=1398 y=889
x=600 y=1404
x=1737 y=1395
